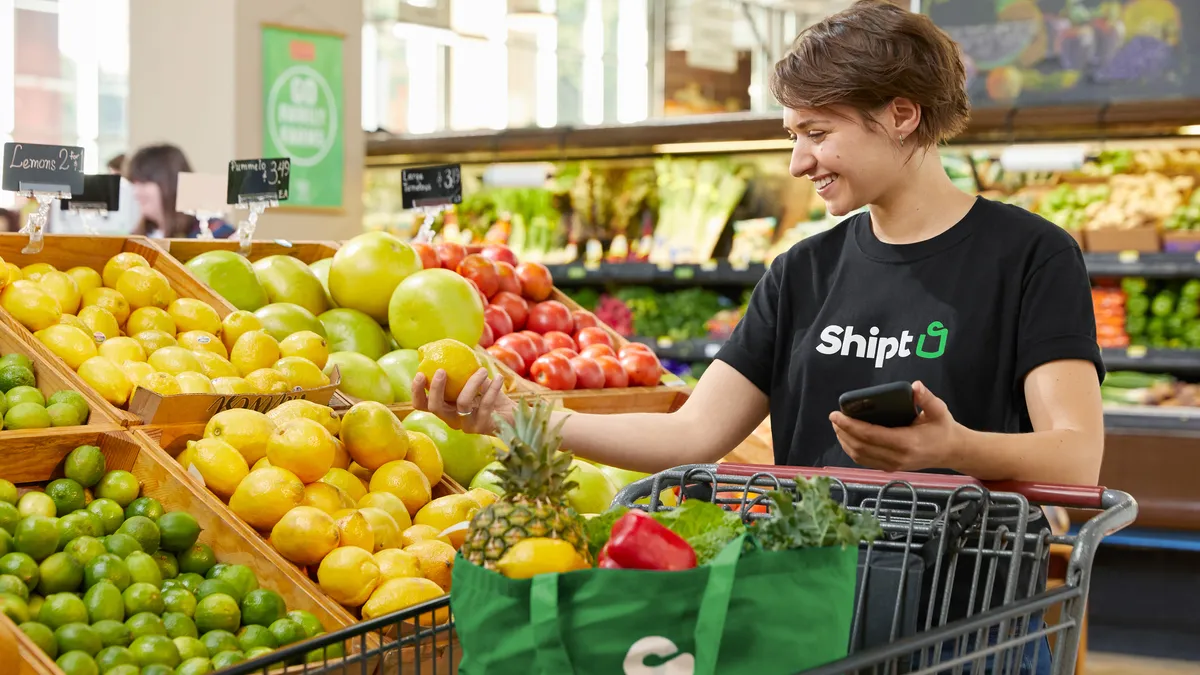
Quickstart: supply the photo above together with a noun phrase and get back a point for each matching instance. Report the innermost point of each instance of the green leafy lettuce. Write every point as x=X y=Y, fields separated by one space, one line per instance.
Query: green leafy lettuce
x=817 y=520
x=707 y=527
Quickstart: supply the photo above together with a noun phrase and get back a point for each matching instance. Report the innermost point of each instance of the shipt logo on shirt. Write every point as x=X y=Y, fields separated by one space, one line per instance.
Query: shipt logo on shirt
x=844 y=341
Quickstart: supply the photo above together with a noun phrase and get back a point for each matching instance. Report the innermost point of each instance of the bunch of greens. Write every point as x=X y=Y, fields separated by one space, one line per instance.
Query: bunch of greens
x=816 y=521
x=705 y=526
x=678 y=315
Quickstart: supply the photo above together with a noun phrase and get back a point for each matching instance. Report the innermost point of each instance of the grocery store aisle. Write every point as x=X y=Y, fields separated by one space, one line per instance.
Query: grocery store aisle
x=1119 y=664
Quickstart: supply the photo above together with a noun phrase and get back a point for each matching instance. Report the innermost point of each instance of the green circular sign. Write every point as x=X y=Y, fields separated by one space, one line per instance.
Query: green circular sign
x=303 y=119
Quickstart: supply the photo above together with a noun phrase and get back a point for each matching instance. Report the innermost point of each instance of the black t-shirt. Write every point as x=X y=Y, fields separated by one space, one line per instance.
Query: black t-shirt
x=969 y=313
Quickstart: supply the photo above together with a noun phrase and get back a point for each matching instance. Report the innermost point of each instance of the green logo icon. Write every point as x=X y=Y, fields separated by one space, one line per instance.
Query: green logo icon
x=935 y=330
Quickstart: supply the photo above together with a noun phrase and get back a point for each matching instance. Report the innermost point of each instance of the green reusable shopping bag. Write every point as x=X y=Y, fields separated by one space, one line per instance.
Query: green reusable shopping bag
x=747 y=611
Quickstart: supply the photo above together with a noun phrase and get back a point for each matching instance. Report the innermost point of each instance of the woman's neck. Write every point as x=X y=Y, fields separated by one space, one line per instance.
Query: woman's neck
x=920 y=206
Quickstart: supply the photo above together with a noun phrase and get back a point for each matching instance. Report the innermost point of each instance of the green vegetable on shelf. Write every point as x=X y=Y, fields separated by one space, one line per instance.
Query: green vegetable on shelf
x=1163 y=304
x=1135 y=325
x=1137 y=305
x=1134 y=285
x=1156 y=328
x=1190 y=289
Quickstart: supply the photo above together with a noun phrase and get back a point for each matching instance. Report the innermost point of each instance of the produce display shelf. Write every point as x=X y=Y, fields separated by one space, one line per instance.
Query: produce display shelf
x=1132 y=264
x=717 y=273
x=698 y=349
x=37 y=459
x=1152 y=418
x=307 y=252
x=1174 y=361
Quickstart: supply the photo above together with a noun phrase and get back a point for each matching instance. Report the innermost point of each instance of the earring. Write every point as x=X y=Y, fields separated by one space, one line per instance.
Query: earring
x=901 y=139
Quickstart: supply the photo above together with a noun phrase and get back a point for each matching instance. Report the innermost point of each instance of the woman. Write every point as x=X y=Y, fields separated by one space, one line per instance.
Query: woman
x=154 y=171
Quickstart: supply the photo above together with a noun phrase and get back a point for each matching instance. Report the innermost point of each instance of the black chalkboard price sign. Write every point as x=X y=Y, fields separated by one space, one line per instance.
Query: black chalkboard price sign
x=431 y=186
x=100 y=191
x=254 y=179
x=42 y=168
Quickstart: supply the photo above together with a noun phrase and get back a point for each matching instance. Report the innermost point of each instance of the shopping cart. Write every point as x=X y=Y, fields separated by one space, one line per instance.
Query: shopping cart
x=911 y=615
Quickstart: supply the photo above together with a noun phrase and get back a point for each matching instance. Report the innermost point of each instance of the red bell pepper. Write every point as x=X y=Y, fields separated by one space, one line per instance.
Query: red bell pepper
x=640 y=542
x=604 y=562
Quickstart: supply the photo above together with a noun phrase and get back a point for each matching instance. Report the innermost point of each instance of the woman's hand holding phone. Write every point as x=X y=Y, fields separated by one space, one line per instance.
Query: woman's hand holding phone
x=928 y=443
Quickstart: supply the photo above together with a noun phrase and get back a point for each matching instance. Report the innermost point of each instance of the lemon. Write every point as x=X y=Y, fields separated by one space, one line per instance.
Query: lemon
x=482 y=497
x=118 y=264
x=237 y=323
x=383 y=527
x=326 y=497
x=72 y=320
x=261 y=463
x=10 y=273
x=214 y=365
x=396 y=564
x=34 y=271
x=349 y=575
x=29 y=304
x=354 y=530
x=306 y=345
x=144 y=287
x=86 y=278
x=436 y=559
x=246 y=430
x=303 y=447
x=62 y=288
x=539 y=555
x=313 y=411
x=305 y=535
x=403 y=479
x=390 y=503
x=150 y=318
x=136 y=370
x=443 y=512
x=231 y=385
x=423 y=452
x=300 y=372
x=68 y=343
x=202 y=341
x=268 y=381
x=253 y=350
x=107 y=298
x=173 y=360
x=107 y=378
x=191 y=314
x=100 y=322
x=373 y=434
x=163 y=384
x=154 y=340
x=343 y=479
x=193 y=383
x=265 y=495
x=418 y=533
x=396 y=594
x=341 y=458
x=122 y=349
x=360 y=471
x=222 y=467
x=456 y=358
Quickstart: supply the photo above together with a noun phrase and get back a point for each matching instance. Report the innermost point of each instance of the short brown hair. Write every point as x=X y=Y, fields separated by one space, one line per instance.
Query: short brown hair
x=871 y=53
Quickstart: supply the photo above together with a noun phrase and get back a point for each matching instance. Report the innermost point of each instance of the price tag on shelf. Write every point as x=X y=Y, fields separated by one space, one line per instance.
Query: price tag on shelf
x=665 y=342
x=739 y=265
x=265 y=179
x=711 y=349
x=576 y=272
x=431 y=186
x=1198 y=256
x=32 y=167
x=1128 y=257
x=685 y=272
x=664 y=266
x=1136 y=352
x=709 y=266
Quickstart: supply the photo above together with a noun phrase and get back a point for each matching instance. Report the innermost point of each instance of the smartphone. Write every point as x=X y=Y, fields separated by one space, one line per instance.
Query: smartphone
x=885 y=405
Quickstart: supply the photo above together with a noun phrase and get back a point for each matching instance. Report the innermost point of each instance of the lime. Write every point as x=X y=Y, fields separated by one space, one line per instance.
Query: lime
x=144 y=530
x=7 y=544
x=217 y=641
x=69 y=528
x=10 y=584
x=240 y=577
x=257 y=652
x=9 y=517
x=214 y=570
x=77 y=636
x=24 y=394
x=37 y=536
x=104 y=603
x=198 y=559
x=35 y=604
x=262 y=607
x=326 y=653
x=22 y=567
x=84 y=549
x=67 y=495
x=155 y=649
x=60 y=573
x=214 y=586
x=64 y=415
x=15 y=359
x=8 y=492
x=142 y=597
x=120 y=486
x=36 y=504
x=80 y=404
x=77 y=663
x=168 y=584
x=145 y=623
x=113 y=633
x=157 y=669
x=87 y=523
x=61 y=609
x=286 y=631
x=250 y=637
x=144 y=506
x=218 y=612
x=191 y=581
x=111 y=657
x=124 y=670
x=226 y=659
x=180 y=601
x=27 y=416
x=107 y=567
x=190 y=648
x=179 y=625
x=179 y=531
x=121 y=544
x=168 y=565
x=41 y=636
x=307 y=620
x=14 y=607
x=195 y=666
x=110 y=513
x=143 y=569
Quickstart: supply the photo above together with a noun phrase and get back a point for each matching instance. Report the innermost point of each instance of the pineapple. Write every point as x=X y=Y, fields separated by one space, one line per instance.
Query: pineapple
x=534 y=479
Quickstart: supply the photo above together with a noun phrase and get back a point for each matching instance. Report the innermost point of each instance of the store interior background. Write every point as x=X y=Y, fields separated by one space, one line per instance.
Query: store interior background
x=598 y=94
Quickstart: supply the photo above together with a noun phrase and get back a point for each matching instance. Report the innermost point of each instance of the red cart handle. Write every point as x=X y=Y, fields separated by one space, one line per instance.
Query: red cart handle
x=1077 y=496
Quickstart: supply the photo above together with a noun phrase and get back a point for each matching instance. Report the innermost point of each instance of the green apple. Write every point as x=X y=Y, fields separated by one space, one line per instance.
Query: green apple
x=361 y=376
x=594 y=492
x=486 y=479
x=281 y=319
x=401 y=367
x=621 y=477
x=286 y=279
x=231 y=276
x=435 y=304
x=321 y=269
x=367 y=268
x=349 y=330
x=463 y=454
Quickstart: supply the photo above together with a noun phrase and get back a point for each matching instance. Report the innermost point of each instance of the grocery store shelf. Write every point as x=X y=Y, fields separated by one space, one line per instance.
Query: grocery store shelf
x=683 y=350
x=1174 y=361
x=1150 y=418
x=719 y=273
x=1132 y=264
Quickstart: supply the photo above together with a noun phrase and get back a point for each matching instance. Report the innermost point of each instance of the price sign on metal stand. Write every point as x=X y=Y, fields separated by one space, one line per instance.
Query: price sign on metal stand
x=101 y=195
x=256 y=184
x=429 y=190
x=45 y=173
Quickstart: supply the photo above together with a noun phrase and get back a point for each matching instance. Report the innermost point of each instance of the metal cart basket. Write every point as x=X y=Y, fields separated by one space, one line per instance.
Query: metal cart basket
x=957 y=584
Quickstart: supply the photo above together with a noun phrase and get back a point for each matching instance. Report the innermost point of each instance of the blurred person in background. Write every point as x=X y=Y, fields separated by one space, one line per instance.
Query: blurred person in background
x=154 y=171
x=10 y=221
x=119 y=222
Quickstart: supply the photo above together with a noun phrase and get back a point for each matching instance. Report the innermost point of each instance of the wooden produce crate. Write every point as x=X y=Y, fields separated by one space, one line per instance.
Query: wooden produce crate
x=307 y=252
x=34 y=461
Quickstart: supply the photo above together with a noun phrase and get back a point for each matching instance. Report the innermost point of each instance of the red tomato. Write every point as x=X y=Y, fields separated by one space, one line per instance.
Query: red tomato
x=565 y=351
x=486 y=339
x=429 y=257
x=635 y=346
x=499 y=253
x=593 y=336
x=643 y=368
x=555 y=339
x=550 y=315
x=588 y=373
x=508 y=277
x=450 y=254
x=536 y=281
x=498 y=319
x=539 y=342
x=584 y=319
x=553 y=371
x=480 y=270
x=615 y=376
x=516 y=306
x=522 y=345
x=508 y=357
x=736 y=497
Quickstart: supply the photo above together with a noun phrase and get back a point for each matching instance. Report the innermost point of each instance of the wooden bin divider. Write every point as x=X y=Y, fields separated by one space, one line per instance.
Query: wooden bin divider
x=307 y=252
x=35 y=460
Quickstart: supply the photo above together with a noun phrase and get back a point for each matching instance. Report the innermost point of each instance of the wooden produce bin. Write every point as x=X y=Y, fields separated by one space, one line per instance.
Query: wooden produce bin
x=307 y=252
x=35 y=460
